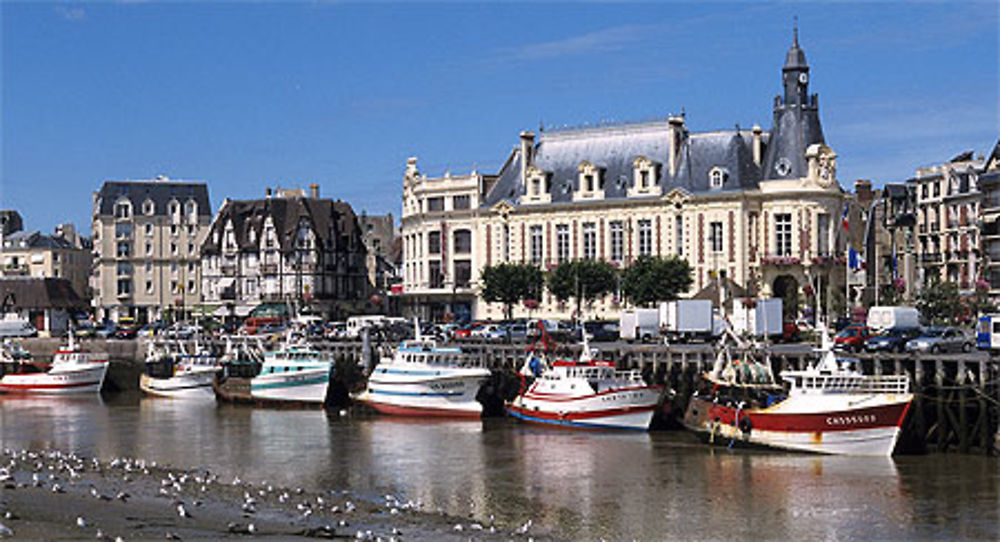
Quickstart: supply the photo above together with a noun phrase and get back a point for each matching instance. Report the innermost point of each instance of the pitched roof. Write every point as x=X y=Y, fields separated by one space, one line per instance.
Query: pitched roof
x=40 y=293
x=159 y=191
x=326 y=217
x=614 y=149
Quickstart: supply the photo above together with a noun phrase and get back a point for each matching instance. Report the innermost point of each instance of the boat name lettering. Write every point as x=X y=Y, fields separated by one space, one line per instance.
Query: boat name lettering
x=445 y=385
x=850 y=420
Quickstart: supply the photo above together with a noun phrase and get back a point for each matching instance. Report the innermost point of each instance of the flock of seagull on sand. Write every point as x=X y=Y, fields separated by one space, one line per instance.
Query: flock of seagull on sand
x=187 y=492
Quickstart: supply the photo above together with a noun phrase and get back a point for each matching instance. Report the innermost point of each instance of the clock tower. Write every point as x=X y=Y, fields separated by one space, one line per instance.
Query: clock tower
x=796 y=120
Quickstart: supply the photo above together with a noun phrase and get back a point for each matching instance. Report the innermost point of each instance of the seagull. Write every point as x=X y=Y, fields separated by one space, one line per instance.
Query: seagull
x=80 y=522
x=236 y=528
x=182 y=512
x=5 y=530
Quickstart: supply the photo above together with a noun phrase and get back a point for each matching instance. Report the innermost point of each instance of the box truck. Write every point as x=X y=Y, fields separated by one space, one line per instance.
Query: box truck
x=763 y=320
x=640 y=324
x=686 y=319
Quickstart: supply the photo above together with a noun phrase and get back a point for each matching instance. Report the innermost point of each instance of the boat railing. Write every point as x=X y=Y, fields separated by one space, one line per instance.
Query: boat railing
x=851 y=383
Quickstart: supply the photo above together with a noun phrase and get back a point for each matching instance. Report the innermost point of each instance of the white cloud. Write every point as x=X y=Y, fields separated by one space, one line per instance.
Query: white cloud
x=71 y=13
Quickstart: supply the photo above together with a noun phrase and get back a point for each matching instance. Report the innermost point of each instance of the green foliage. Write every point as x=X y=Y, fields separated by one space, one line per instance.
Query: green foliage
x=940 y=302
x=649 y=279
x=509 y=283
x=583 y=280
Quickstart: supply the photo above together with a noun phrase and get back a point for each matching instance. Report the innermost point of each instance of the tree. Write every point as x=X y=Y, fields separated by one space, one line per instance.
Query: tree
x=940 y=302
x=650 y=279
x=509 y=283
x=583 y=280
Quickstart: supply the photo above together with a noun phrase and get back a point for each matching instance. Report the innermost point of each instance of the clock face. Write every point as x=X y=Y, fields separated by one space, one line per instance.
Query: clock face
x=803 y=78
x=783 y=167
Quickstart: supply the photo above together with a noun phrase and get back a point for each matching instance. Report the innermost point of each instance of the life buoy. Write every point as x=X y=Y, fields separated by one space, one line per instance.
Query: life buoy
x=746 y=425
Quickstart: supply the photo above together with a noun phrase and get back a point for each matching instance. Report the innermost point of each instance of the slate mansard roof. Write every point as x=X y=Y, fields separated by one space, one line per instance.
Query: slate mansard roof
x=615 y=149
x=159 y=191
x=327 y=217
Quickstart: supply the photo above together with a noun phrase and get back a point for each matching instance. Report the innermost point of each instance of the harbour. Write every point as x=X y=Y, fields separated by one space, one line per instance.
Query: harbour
x=572 y=485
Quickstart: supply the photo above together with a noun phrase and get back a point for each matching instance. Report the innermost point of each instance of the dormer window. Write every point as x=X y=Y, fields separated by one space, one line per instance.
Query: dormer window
x=123 y=209
x=191 y=210
x=644 y=175
x=537 y=186
x=590 y=181
x=148 y=208
x=717 y=178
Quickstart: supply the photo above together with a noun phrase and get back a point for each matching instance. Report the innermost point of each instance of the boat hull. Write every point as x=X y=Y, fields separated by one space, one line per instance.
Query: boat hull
x=629 y=408
x=68 y=381
x=871 y=428
x=195 y=384
x=413 y=392
x=307 y=386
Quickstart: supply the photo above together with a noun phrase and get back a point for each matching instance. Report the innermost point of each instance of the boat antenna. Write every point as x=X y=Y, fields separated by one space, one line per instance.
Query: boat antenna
x=416 y=329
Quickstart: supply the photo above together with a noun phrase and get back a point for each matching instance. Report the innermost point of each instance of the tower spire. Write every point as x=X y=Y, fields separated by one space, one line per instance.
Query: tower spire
x=795 y=29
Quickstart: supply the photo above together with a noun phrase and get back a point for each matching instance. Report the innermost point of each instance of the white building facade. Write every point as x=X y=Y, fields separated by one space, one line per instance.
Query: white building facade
x=761 y=208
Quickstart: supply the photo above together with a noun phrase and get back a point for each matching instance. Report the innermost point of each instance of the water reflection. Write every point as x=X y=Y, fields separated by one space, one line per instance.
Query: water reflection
x=578 y=485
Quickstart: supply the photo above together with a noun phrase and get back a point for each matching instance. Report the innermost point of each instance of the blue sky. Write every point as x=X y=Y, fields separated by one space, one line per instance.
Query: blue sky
x=250 y=95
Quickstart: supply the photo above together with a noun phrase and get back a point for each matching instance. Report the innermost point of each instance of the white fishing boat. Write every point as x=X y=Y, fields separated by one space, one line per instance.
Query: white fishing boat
x=296 y=372
x=587 y=393
x=423 y=378
x=173 y=372
x=72 y=371
x=830 y=407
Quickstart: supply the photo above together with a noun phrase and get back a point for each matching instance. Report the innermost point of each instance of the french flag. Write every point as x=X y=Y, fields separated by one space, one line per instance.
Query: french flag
x=843 y=218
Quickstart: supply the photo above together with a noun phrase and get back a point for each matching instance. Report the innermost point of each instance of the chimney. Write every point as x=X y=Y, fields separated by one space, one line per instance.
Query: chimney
x=314 y=191
x=757 y=144
x=268 y=192
x=527 y=148
x=676 y=134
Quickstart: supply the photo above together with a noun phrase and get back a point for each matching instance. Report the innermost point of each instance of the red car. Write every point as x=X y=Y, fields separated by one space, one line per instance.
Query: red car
x=465 y=331
x=852 y=338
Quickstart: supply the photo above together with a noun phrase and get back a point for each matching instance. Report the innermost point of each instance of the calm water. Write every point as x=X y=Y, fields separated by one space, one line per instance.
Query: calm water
x=656 y=486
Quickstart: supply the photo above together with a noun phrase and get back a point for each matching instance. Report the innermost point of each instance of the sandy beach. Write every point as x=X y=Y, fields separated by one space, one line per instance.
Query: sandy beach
x=54 y=495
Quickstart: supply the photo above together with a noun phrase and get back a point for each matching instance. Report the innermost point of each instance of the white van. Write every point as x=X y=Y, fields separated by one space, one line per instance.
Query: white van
x=882 y=318
x=356 y=323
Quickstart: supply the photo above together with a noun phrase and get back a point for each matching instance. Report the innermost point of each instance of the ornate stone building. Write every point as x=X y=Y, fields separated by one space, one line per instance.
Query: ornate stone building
x=287 y=248
x=147 y=236
x=761 y=208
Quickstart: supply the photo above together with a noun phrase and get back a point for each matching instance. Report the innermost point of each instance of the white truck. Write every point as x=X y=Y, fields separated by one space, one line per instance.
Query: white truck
x=882 y=318
x=763 y=320
x=686 y=319
x=640 y=324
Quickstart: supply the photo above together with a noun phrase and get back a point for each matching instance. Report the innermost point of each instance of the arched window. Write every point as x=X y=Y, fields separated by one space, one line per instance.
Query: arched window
x=717 y=177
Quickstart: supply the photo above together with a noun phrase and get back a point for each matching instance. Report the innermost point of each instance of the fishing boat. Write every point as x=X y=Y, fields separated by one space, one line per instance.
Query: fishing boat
x=173 y=372
x=294 y=373
x=72 y=371
x=830 y=407
x=423 y=378
x=585 y=393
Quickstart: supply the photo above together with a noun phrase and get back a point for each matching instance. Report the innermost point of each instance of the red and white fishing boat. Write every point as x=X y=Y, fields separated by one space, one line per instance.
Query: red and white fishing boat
x=587 y=393
x=829 y=408
x=72 y=371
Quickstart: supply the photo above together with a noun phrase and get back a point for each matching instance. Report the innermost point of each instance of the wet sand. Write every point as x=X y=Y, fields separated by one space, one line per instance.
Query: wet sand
x=53 y=495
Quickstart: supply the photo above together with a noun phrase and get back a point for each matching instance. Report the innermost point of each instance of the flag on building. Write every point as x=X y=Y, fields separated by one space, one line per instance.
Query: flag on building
x=843 y=217
x=853 y=259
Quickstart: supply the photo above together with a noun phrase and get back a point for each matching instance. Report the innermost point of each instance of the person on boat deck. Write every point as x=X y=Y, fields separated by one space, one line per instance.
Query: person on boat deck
x=536 y=366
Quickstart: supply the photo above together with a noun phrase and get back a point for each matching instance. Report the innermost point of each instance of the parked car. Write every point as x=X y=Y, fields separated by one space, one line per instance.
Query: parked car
x=107 y=331
x=127 y=332
x=598 y=331
x=180 y=330
x=893 y=339
x=852 y=338
x=491 y=332
x=941 y=339
x=465 y=331
x=517 y=331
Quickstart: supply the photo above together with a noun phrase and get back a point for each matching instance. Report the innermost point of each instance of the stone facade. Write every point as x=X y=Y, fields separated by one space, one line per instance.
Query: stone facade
x=287 y=248
x=147 y=236
x=761 y=208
